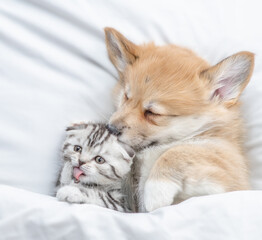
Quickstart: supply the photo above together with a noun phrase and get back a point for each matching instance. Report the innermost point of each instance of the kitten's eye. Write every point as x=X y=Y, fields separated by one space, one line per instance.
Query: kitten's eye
x=126 y=97
x=99 y=159
x=77 y=148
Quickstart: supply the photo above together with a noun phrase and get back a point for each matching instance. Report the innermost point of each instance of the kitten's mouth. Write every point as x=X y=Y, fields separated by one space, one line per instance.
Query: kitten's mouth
x=77 y=172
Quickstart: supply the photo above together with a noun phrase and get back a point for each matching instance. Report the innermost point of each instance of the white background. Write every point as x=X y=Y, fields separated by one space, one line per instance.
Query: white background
x=54 y=69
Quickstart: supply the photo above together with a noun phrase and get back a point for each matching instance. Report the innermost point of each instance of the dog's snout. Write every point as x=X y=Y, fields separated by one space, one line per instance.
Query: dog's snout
x=113 y=129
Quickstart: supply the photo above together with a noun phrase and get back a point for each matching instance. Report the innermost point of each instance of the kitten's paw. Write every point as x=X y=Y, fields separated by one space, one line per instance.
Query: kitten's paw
x=159 y=193
x=70 y=194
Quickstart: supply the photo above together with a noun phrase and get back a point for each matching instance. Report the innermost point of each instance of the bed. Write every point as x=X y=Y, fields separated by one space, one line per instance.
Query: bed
x=54 y=70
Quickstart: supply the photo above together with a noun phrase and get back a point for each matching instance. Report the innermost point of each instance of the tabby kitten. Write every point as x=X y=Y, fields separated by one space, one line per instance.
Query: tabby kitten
x=96 y=164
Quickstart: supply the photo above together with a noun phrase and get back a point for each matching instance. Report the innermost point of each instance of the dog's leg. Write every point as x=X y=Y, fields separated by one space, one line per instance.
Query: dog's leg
x=192 y=170
x=161 y=187
x=160 y=192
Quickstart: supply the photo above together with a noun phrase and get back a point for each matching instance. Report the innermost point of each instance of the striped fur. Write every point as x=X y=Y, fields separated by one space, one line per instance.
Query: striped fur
x=99 y=184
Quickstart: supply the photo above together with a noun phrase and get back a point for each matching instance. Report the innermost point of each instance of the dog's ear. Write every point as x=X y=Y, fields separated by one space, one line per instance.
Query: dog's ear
x=120 y=50
x=229 y=77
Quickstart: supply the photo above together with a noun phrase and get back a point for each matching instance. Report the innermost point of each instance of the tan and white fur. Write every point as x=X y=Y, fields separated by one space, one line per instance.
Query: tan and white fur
x=182 y=116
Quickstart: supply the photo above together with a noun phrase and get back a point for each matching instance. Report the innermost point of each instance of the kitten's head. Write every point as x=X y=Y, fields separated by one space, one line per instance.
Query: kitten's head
x=96 y=156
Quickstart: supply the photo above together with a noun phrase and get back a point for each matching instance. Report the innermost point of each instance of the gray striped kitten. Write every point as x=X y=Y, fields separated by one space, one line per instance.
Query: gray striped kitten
x=96 y=165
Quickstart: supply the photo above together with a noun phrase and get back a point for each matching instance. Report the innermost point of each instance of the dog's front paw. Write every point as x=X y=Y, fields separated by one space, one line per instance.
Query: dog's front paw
x=70 y=194
x=159 y=193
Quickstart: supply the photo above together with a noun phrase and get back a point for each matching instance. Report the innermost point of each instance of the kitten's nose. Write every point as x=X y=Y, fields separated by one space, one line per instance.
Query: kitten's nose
x=113 y=129
x=80 y=163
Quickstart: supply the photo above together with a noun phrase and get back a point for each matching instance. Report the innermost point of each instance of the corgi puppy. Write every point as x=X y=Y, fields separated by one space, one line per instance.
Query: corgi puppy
x=182 y=117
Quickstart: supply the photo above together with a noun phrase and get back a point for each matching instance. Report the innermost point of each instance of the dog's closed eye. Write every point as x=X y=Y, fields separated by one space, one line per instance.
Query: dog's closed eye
x=151 y=116
x=149 y=113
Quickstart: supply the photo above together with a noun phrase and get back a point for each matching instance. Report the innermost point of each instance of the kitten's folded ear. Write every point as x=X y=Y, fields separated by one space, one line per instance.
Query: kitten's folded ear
x=77 y=126
x=130 y=152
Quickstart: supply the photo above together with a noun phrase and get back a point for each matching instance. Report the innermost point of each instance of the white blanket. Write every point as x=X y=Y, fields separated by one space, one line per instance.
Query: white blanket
x=31 y=216
x=54 y=69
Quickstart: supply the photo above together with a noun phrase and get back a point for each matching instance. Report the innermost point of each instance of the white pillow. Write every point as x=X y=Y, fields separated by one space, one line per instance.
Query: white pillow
x=54 y=69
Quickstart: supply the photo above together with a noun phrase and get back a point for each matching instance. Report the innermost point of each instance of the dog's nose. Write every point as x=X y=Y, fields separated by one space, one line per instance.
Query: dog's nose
x=113 y=129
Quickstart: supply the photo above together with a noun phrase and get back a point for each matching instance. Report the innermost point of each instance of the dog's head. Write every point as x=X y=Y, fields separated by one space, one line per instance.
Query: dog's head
x=168 y=93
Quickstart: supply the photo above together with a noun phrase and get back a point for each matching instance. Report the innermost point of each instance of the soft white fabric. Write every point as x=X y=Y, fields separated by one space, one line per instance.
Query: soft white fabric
x=54 y=69
x=31 y=216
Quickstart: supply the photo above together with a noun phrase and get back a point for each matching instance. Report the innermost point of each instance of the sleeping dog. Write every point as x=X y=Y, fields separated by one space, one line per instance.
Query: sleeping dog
x=182 y=116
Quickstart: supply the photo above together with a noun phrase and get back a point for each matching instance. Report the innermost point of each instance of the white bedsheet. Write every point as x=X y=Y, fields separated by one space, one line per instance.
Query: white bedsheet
x=54 y=69
x=31 y=216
